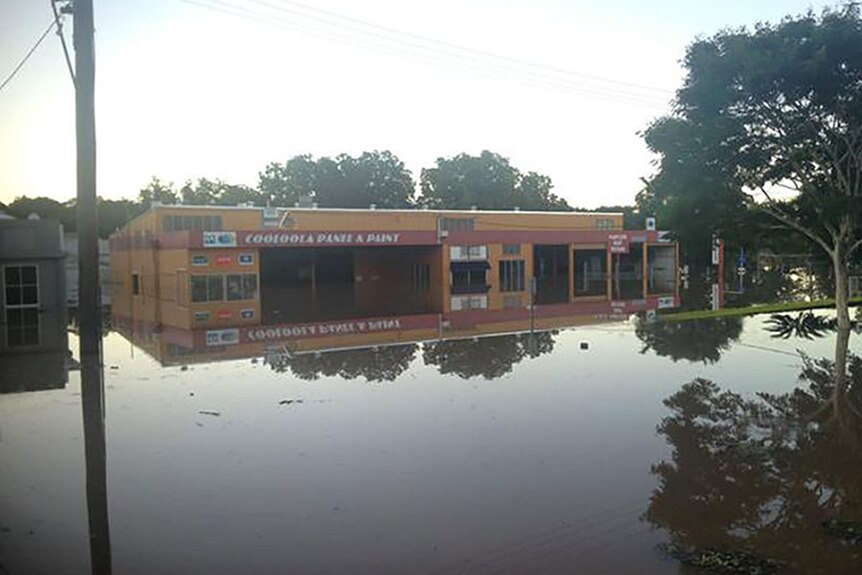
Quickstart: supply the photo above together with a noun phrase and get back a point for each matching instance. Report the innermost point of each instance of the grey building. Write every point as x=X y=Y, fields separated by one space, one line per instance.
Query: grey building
x=33 y=339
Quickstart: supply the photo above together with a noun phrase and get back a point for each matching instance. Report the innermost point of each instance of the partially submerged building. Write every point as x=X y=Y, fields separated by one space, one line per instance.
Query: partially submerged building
x=33 y=340
x=193 y=267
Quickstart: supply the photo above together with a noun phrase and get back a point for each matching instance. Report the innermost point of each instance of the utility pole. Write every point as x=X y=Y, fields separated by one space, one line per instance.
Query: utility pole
x=89 y=308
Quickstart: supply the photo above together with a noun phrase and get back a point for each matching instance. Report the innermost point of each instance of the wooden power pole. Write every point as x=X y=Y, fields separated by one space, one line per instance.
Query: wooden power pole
x=89 y=305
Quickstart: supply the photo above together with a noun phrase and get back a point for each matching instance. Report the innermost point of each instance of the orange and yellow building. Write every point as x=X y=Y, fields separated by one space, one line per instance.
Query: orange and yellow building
x=206 y=268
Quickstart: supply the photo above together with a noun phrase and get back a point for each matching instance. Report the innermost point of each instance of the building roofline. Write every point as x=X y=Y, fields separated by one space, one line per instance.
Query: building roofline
x=379 y=210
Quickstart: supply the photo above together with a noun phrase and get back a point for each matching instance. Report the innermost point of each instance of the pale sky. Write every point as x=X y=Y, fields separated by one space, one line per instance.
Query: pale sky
x=185 y=89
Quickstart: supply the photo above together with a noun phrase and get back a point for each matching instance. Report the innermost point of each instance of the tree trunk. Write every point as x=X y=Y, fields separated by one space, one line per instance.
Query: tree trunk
x=842 y=288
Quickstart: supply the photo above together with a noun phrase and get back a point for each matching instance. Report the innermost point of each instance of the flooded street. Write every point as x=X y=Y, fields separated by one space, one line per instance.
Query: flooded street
x=501 y=454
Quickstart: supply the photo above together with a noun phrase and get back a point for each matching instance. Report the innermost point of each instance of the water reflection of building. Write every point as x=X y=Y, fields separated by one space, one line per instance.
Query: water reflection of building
x=176 y=346
x=33 y=341
x=205 y=267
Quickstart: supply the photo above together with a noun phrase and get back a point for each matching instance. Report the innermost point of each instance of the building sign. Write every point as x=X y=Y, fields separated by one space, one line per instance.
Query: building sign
x=200 y=261
x=222 y=337
x=219 y=239
x=340 y=328
x=224 y=260
x=618 y=243
x=224 y=314
x=246 y=313
x=202 y=315
x=246 y=259
x=283 y=238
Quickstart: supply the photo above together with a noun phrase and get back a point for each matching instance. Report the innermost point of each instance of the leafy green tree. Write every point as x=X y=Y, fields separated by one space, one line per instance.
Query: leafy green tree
x=488 y=182
x=114 y=214
x=375 y=365
x=488 y=357
x=772 y=110
x=206 y=192
x=46 y=209
x=377 y=177
x=157 y=191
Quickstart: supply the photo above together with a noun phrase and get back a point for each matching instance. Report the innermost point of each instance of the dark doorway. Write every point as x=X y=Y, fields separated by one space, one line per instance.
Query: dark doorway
x=551 y=270
x=627 y=275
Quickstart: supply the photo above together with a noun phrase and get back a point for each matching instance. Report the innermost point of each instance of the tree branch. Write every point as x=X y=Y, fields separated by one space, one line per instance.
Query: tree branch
x=773 y=211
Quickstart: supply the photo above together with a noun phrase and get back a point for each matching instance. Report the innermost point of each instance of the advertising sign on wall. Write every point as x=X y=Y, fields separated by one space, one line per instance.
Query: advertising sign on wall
x=618 y=243
x=219 y=239
x=222 y=336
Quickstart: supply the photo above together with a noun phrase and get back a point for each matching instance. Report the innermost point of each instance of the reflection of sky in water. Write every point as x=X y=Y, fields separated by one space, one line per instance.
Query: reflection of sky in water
x=546 y=467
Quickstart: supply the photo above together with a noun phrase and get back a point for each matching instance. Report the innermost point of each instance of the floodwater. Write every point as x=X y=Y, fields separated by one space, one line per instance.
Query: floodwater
x=579 y=450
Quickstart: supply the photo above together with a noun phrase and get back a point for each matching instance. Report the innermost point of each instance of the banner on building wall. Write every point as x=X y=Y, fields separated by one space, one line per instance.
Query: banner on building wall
x=277 y=238
x=337 y=328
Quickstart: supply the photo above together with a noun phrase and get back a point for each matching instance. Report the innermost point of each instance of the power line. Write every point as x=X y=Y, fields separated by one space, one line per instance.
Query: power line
x=462 y=48
x=416 y=47
x=27 y=57
x=62 y=38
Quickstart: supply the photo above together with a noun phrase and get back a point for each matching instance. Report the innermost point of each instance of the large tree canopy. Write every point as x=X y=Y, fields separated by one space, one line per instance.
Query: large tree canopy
x=488 y=182
x=773 y=117
x=378 y=178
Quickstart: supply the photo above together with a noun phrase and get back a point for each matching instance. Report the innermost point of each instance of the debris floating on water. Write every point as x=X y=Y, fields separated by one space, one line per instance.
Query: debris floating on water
x=290 y=401
x=209 y=412
x=732 y=562
x=850 y=531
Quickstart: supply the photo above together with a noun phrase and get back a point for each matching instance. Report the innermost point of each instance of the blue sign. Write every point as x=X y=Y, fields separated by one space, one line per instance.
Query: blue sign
x=246 y=259
x=200 y=261
x=202 y=315
x=247 y=314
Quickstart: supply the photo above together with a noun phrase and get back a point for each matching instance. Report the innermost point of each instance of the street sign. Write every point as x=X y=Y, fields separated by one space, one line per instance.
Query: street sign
x=618 y=243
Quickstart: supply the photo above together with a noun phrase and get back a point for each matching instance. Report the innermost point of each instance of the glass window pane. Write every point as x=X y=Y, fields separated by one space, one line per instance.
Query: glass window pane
x=199 y=288
x=30 y=316
x=14 y=316
x=13 y=275
x=215 y=288
x=28 y=275
x=31 y=295
x=249 y=286
x=13 y=295
x=234 y=287
x=14 y=337
x=30 y=336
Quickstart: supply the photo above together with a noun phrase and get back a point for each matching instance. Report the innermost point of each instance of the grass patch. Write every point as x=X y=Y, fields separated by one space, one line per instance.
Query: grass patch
x=754 y=309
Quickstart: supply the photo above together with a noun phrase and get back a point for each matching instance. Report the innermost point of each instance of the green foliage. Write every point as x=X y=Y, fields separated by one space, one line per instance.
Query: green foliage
x=46 y=209
x=776 y=107
x=207 y=192
x=377 y=177
x=488 y=182
x=158 y=191
x=692 y=340
x=487 y=357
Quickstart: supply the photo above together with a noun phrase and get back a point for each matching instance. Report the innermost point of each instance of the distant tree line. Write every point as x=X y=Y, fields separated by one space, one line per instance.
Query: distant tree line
x=487 y=182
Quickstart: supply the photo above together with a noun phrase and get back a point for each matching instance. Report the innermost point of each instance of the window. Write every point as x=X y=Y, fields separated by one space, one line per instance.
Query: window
x=180 y=223
x=457 y=224
x=22 y=305
x=511 y=249
x=460 y=253
x=469 y=277
x=136 y=284
x=591 y=268
x=419 y=276
x=605 y=224
x=216 y=287
x=512 y=275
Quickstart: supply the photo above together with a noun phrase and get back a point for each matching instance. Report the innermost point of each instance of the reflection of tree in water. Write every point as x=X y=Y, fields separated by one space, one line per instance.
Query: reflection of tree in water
x=777 y=475
x=489 y=357
x=376 y=364
x=694 y=340
x=805 y=325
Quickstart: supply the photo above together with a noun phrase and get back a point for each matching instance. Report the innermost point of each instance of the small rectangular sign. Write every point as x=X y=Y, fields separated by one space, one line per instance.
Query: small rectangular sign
x=222 y=337
x=200 y=261
x=202 y=315
x=224 y=260
x=246 y=314
x=219 y=239
x=618 y=243
x=246 y=259
x=224 y=314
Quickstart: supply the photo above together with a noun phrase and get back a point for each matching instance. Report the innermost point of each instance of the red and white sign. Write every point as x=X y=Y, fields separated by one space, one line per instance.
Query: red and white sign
x=619 y=243
x=224 y=260
x=224 y=314
x=289 y=238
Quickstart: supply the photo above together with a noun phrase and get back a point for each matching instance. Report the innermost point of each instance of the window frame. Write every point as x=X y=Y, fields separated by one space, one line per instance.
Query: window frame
x=22 y=306
x=512 y=275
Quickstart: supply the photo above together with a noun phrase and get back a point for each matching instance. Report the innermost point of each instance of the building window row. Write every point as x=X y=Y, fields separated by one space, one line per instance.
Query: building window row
x=511 y=249
x=218 y=287
x=605 y=224
x=420 y=274
x=198 y=223
x=457 y=224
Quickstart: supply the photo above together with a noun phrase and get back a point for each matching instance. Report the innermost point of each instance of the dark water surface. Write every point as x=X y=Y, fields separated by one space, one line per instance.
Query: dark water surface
x=548 y=465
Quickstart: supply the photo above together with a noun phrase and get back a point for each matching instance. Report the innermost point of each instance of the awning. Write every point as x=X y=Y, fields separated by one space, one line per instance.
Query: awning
x=470 y=266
